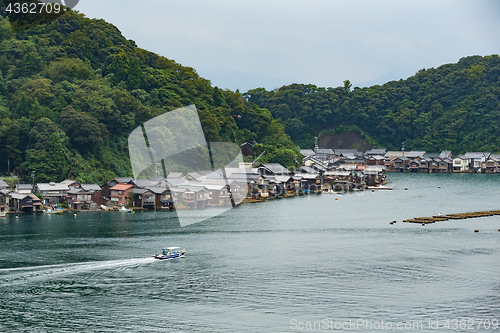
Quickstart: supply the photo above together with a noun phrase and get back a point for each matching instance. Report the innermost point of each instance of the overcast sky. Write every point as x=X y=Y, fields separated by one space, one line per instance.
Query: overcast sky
x=270 y=43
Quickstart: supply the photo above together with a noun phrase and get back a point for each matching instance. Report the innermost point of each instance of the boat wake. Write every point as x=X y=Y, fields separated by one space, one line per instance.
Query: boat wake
x=23 y=275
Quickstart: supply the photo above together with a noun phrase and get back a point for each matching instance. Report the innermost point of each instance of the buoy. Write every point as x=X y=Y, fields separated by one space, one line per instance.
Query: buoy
x=336 y=198
x=393 y=221
x=439 y=186
x=406 y=188
x=17 y=217
x=423 y=224
x=74 y=215
x=373 y=190
x=476 y=230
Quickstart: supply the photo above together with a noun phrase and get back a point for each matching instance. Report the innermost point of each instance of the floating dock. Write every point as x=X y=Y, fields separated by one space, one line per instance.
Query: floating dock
x=459 y=216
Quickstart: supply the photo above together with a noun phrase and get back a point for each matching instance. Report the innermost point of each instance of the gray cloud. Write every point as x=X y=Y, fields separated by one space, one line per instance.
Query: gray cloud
x=235 y=43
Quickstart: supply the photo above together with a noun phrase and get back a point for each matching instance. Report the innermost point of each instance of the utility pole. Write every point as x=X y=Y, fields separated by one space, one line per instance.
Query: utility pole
x=156 y=169
x=33 y=176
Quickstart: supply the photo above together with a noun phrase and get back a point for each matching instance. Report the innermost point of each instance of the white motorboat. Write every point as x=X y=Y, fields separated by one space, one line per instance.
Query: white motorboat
x=170 y=253
x=126 y=210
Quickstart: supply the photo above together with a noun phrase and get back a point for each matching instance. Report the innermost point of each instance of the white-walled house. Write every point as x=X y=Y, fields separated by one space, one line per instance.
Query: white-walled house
x=461 y=164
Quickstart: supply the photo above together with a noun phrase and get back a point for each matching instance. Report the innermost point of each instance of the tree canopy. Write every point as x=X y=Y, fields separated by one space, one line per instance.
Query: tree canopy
x=453 y=107
x=73 y=88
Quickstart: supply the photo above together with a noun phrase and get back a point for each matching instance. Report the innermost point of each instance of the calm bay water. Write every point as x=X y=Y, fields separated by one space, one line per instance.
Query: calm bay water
x=268 y=267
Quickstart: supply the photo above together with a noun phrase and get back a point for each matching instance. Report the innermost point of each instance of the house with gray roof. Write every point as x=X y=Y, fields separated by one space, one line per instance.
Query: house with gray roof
x=461 y=164
x=3 y=184
x=476 y=159
x=23 y=188
x=71 y=183
x=415 y=153
x=326 y=152
x=24 y=202
x=445 y=154
x=273 y=169
x=307 y=152
x=175 y=174
x=376 y=152
x=143 y=183
x=53 y=193
x=347 y=152
x=4 y=200
x=491 y=165
x=153 y=198
x=91 y=187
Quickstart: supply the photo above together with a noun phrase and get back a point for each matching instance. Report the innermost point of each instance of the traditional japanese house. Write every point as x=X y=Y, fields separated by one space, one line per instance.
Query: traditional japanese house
x=445 y=165
x=53 y=193
x=24 y=202
x=4 y=199
x=400 y=164
x=120 y=194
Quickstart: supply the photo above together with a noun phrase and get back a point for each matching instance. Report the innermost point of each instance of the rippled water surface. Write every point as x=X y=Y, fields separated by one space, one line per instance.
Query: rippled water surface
x=270 y=267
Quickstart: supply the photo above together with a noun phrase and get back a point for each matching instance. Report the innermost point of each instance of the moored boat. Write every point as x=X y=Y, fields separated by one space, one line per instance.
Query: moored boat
x=382 y=187
x=170 y=253
x=53 y=211
x=3 y=214
x=126 y=210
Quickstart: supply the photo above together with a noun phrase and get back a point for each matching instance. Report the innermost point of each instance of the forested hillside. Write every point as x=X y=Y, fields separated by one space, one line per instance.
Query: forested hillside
x=454 y=107
x=72 y=89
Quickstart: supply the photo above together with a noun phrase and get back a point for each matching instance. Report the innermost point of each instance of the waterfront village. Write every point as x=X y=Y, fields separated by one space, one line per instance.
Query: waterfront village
x=322 y=171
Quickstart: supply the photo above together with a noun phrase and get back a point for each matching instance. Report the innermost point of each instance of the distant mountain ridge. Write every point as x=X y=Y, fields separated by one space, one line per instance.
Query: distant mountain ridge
x=453 y=107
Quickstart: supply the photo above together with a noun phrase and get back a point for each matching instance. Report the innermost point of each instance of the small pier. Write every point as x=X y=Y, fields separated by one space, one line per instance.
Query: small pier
x=459 y=216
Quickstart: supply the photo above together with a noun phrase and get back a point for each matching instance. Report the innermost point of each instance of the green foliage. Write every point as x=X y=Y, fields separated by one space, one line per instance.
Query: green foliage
x=454 y=107
x=72 y=89
x=134 y=75
x=23 y=107
x=84 y=131
x=130 y=201
x=3 y=88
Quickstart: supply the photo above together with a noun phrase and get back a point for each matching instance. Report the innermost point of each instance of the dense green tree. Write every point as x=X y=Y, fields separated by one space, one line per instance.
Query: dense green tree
x=57 y=162
x=85 y=133
x=3 y=88
x=23 y=107
x=134 y=75
x=119 y=67
x=39 y=135
x=10 y=145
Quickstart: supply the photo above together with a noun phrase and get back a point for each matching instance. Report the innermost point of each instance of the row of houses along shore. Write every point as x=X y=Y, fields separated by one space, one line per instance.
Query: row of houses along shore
x=322 y=170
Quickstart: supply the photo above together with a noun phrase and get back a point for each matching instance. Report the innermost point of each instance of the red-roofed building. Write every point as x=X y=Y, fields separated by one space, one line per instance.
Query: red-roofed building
x=120 y=194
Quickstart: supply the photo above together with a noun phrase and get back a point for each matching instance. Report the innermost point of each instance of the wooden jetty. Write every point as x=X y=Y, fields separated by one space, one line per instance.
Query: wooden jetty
x=459 y=216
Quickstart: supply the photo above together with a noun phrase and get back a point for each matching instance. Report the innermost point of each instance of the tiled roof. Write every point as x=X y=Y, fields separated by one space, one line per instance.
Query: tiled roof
x=276 y=168
x=91 y=187
x=52 y=187
x=121 y=187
